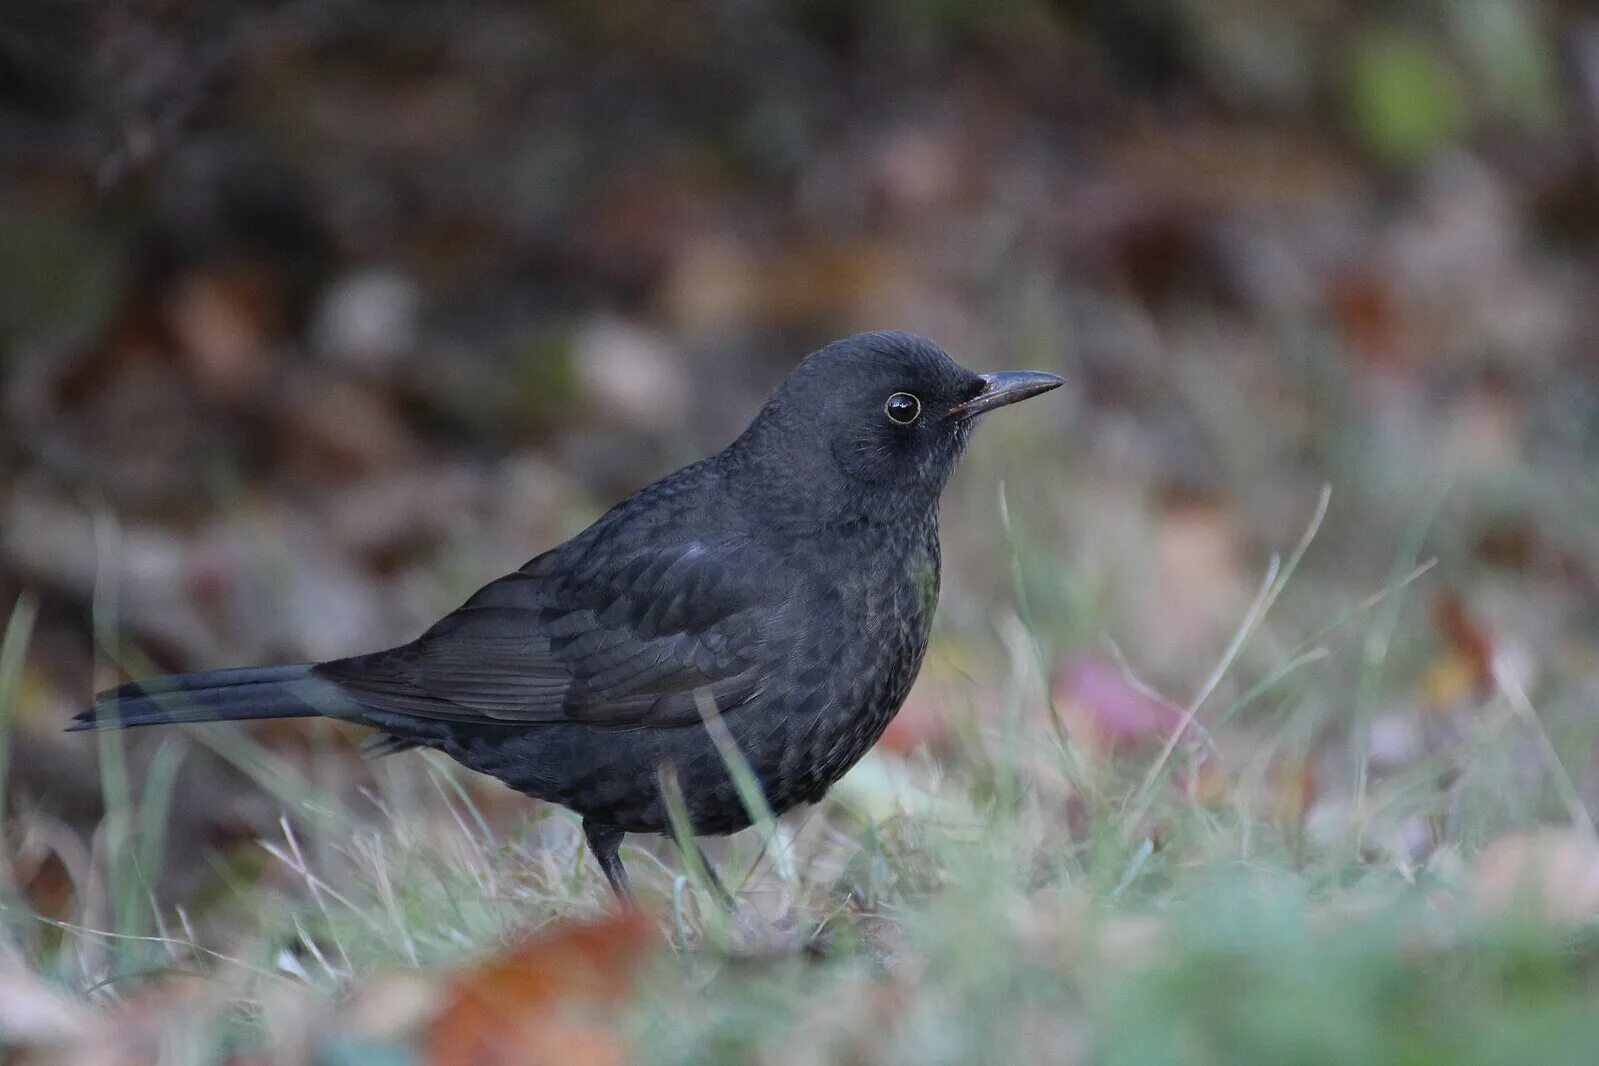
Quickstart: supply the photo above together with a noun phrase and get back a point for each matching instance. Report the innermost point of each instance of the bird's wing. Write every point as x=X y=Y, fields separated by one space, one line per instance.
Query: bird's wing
x=620 y=644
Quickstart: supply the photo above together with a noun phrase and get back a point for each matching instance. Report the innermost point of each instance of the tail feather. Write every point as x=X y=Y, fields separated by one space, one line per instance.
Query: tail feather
x=213 y=696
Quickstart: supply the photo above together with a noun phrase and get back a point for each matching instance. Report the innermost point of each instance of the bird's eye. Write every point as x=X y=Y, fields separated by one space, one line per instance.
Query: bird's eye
x=903 y=408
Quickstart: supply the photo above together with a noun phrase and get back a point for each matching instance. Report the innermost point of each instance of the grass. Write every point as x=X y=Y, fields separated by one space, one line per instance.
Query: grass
x=1249 y=887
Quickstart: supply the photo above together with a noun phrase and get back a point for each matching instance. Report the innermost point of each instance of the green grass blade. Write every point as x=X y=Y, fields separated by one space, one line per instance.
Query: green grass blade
x=715 y=920
x=13 y=652
x=749 y=788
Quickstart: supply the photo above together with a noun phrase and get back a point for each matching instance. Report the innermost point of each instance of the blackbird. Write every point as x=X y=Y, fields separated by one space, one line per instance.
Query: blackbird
x=788 y=582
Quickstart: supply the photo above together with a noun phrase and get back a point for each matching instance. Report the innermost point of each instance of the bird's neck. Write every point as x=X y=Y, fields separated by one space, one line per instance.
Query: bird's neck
x=788 y=473
x=797 y=502
x=899 y=519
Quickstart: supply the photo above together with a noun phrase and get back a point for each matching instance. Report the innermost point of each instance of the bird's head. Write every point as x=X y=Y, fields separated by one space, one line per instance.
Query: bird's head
x=878 y=416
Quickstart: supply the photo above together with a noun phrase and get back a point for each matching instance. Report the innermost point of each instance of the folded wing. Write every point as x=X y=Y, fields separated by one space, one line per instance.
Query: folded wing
x=554 y=642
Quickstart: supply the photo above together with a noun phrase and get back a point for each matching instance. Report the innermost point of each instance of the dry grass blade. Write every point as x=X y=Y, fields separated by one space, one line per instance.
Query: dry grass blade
x=1271 y=586
x=749 y=789
x=1509 y=683
x=19 y=629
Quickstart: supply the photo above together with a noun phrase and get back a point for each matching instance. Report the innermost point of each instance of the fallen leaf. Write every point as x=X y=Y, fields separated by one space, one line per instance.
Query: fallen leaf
x=224 y=321
x=1449 y=681
x=44 y=879
x=545 y=1000
x=1466 y=667
x=1371 y=316
x=1550 y=874
x=711 y=284
x=335 y=429
x=33 y=1013
x=1102 y=703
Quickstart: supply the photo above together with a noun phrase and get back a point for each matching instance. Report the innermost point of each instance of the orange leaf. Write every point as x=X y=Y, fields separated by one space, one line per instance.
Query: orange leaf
x=1468 y=638
x=545 y=1000
x=1450 y=680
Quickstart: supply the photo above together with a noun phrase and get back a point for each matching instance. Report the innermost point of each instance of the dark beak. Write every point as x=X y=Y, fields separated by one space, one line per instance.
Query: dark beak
x=1005 y=387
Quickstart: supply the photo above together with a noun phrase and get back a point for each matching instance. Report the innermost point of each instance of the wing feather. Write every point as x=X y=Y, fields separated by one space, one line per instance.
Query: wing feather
x=538 y=646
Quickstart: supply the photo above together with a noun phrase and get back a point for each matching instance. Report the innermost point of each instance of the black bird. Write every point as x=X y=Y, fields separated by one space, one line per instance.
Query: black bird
x=788 y=580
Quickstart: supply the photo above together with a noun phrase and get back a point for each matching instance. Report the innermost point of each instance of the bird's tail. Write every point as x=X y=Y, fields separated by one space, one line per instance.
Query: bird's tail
x=213 y=696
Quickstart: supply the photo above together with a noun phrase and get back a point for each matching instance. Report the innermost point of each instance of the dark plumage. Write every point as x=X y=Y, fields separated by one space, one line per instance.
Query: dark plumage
x=790 y=579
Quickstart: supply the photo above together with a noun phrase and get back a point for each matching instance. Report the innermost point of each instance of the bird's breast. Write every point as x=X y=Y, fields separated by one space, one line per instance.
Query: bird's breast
x=854 y=670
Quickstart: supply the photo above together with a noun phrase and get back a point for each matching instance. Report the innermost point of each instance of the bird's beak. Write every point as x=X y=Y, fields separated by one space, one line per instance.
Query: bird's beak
x=1005 y=387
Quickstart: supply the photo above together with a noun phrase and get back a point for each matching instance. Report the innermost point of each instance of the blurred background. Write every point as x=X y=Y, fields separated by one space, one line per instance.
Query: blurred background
x=316 y=315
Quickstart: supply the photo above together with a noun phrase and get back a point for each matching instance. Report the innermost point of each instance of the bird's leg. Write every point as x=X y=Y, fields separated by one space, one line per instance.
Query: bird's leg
x=605 y=841
x=723 y=896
